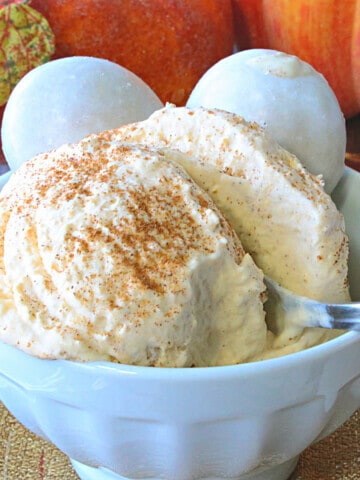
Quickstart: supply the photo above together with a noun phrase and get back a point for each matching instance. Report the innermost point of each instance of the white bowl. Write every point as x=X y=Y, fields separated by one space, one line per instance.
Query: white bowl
x=247 y=422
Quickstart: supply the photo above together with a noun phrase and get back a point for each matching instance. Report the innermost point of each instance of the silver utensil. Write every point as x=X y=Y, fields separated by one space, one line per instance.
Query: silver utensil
x=285 y=309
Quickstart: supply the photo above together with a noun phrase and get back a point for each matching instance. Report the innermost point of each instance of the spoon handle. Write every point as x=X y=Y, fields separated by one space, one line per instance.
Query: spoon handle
x=285 y=308
x=344 y=316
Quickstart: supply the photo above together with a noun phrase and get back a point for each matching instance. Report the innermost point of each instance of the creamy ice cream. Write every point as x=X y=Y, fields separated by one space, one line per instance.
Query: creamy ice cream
x=112 y=252
x=280 y=211
x=130 y=245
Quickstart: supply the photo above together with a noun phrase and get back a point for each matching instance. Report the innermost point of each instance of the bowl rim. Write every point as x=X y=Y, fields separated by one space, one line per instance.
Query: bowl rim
x=298 y=359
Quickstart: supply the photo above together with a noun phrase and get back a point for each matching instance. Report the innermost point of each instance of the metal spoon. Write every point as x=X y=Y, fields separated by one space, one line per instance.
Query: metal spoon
x=285 y=309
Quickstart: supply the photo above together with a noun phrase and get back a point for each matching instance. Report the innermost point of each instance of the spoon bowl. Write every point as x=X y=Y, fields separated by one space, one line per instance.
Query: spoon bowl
x=285 y=309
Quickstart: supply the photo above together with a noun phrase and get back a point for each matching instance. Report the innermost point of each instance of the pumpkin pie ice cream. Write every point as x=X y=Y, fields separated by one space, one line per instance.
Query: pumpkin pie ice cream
x=112 y=252
x=281 y=212
x=147 y=244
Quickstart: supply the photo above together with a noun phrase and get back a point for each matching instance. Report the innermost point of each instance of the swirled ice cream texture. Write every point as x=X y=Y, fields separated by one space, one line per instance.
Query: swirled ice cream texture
x=280 y=211
x=124 y=251
x=112 y=252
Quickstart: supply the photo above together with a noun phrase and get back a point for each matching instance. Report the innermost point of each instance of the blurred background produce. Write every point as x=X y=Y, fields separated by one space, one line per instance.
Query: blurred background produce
x=324 y=33
x=26 y=41
x=171 y=43
x=168 y=43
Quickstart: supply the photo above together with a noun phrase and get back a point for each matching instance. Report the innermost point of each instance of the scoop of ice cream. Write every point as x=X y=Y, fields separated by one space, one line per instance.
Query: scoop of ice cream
x=287 y=97
x=112 y=252
x=281 y=213
x=66 y=99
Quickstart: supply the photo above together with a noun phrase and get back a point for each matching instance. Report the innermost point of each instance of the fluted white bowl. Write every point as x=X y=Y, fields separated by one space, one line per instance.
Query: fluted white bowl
x=246 y=422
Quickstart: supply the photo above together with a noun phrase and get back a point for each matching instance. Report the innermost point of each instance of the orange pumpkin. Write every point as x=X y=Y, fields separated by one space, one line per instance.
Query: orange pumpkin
x=167 y=43
x=324 y=33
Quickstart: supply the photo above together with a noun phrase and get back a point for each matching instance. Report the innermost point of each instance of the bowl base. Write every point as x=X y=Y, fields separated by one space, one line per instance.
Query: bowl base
x=280 y=472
